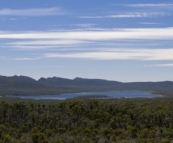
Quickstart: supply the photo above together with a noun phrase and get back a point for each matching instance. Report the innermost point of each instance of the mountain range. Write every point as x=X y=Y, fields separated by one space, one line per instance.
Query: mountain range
x=23 y=85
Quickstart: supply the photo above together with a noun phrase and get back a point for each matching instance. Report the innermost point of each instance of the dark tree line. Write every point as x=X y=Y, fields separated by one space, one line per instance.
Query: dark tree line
x=119 y=121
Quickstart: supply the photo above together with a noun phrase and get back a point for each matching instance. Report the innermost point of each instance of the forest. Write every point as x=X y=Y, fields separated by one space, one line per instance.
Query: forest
x=87 y=121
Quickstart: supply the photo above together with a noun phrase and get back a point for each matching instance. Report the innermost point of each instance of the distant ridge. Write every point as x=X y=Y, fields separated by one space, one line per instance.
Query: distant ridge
x=19 y=82
x=57 y=81
x=23 y=85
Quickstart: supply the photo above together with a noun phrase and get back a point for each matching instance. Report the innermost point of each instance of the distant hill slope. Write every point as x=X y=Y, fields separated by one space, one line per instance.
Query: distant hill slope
x=19 y=82
x=22 y=85
x=57 y=81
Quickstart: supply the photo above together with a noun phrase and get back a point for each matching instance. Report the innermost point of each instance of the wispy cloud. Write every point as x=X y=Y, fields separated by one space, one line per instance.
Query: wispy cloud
x=27 y=67
x=8 y=18
x=46 y=42
x=151 y=5
x=86 y=25
x=27 y=59
x=106 y=34
x=31 y=12
x=3 y=57
x=164 y=65
x=130 y=15
x=76 y=38
x=120 y=54
x=149 y=23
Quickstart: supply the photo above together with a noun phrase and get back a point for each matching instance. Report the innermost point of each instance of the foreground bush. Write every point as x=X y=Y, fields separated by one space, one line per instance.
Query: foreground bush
x=123 y=121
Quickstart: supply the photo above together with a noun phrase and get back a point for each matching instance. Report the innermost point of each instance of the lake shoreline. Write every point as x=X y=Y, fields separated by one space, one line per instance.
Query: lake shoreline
x=113 y=94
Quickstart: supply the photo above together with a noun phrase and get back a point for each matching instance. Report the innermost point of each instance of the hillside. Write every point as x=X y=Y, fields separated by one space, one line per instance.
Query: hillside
x=57 y=81
x=22 y=85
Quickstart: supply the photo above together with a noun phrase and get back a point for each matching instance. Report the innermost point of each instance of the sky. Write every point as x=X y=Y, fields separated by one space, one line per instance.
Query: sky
x=115 y=40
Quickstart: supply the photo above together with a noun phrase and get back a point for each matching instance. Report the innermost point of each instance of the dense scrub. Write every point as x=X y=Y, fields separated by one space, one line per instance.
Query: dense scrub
x=119 y=121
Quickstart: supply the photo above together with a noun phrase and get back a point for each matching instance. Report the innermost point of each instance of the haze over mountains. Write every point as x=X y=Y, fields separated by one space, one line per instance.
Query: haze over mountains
x=23 y=85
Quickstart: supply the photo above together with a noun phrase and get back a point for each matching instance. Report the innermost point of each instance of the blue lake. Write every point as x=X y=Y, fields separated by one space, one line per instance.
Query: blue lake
x=100 y=95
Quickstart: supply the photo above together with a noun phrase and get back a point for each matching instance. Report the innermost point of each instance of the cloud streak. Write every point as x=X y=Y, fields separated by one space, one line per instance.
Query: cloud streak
x=44 y=67
x=82 y=38
x=120 y=54
x=46 y=42
x=151 y=5
x=106 y=34
x=31 y=12
x=164 y=65
x=129 y=15
x=27 y=59
x=149 y=23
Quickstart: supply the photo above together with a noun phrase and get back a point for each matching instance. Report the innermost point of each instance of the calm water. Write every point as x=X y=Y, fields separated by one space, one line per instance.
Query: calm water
x=108 y=95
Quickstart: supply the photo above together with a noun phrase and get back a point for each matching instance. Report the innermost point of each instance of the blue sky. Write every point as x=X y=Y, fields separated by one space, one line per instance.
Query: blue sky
x=115 y=40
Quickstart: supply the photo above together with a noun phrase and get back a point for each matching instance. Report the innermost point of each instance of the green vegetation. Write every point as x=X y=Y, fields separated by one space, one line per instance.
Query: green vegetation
x=87 y=121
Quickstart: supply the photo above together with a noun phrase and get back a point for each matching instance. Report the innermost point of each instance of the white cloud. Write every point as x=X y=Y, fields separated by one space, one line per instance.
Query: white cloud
x=27 y=67
x=44 y=44
x=151 y=5
x=107 y=34
x=99 y=37
x=149 y=23
x=8 y=18
x=3 y=57
x=31 y=12
x=86 y=25
x=164 y=65
x=47 y=42
x=120 y=54
x=130 y=15
x=26 y=59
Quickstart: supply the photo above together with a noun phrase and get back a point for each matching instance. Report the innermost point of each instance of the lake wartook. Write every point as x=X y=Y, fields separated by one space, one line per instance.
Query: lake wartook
x=99 y=95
